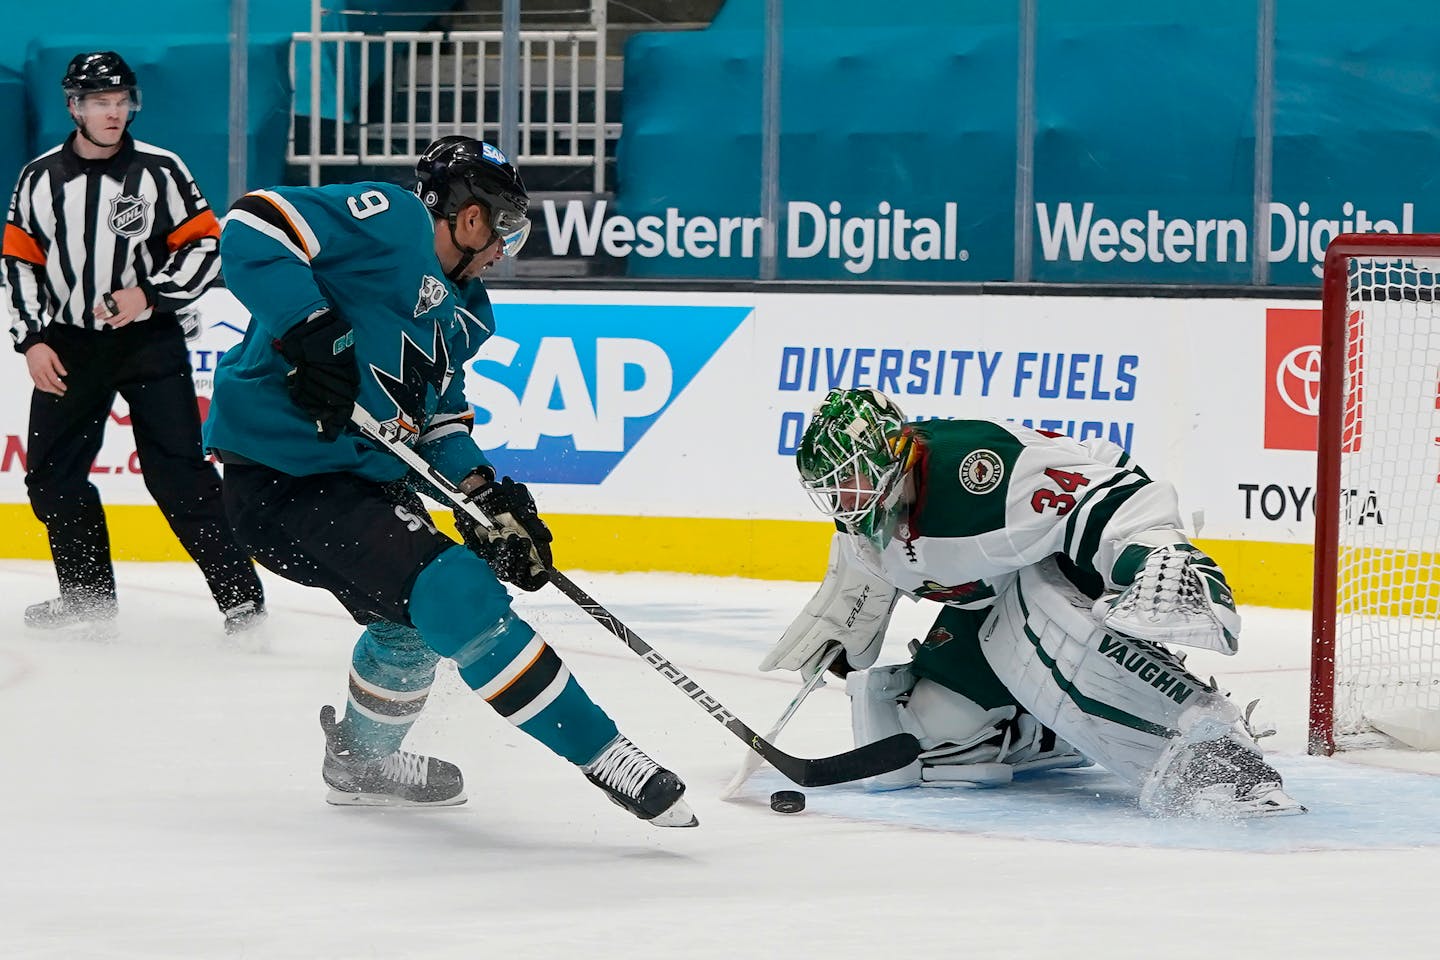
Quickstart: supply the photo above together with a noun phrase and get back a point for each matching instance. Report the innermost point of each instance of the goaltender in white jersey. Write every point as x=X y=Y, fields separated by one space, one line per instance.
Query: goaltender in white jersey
x=1064 y=575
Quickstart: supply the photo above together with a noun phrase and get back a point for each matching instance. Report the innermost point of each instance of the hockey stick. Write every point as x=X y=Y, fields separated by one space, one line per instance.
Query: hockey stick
x=870 y=760
x=753 y=760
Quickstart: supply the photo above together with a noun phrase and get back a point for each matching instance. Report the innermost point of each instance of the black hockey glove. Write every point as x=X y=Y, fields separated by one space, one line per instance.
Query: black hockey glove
x=325 y=379
x=517 y=546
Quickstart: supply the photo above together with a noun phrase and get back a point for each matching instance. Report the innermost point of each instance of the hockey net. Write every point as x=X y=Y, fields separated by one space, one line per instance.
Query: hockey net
x=1375 y=667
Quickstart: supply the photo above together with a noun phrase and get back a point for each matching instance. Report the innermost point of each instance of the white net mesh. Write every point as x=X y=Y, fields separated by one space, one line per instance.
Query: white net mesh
x=1387 y=638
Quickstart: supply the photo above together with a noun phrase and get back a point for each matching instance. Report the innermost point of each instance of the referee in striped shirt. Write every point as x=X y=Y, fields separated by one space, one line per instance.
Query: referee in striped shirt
x=107 y=237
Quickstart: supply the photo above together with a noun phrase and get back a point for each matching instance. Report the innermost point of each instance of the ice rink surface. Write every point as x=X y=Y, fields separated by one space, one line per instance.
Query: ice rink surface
x=160 y=797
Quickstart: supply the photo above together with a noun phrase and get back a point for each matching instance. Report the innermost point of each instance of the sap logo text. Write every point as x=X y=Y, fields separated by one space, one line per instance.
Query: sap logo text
x=564 y=392
x=595 y=421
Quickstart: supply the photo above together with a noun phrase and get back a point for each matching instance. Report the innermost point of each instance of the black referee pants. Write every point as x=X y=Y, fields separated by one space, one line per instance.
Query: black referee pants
x=147 y=364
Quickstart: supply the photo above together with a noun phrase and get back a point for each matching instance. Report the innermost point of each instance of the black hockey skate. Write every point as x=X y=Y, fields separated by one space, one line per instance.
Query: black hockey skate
x=244 y=616
x=633 y=781
x=1221 y=778
x=75 y=614
x=397 y=779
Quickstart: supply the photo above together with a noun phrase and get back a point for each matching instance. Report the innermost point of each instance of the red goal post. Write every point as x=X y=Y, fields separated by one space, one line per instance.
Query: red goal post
x=1375 y=659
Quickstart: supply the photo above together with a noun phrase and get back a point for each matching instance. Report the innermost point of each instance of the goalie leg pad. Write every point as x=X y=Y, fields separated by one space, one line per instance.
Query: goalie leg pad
x=1117 y=700
x=875 y=714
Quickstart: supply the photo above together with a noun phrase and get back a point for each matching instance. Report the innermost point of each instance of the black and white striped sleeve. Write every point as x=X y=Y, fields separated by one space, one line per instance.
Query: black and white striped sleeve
x=193 y=241
x=27 y=296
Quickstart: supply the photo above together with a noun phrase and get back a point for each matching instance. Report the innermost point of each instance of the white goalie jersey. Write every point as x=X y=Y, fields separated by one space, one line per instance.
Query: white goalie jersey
x=991 y=498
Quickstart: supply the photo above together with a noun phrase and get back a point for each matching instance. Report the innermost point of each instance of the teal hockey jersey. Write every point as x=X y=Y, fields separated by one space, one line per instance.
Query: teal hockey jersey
x=367 y=250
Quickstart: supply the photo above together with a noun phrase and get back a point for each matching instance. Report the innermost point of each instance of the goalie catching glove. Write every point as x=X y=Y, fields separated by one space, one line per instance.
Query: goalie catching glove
x=851 y=608
x=517 y=546
x=1172 y=593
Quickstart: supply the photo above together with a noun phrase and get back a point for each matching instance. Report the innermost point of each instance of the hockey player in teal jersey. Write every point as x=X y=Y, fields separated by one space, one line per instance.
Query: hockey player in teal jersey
x=1064 y=575
x=368 y=292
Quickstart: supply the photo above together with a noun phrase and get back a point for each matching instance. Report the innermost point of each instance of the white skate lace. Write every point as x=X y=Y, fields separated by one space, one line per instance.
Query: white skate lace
x=405 y=767
x=623 y=767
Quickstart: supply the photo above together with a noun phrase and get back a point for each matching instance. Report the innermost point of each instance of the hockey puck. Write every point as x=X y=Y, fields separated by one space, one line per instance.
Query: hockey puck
x=787 y=801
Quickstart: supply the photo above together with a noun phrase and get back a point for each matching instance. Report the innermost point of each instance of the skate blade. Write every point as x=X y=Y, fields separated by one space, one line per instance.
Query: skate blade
x=89 y=631
x=341 y=798
x=1273 y=803
x=1069 y=761
x=679 y=815
x=1276 y=803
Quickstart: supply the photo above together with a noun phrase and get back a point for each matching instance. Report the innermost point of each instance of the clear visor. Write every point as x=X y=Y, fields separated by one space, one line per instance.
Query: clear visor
x=513 y=230
x=120 y=103
x=848 y=493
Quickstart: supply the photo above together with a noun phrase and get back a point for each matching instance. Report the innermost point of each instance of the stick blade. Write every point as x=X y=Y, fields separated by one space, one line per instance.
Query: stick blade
x=871 y=760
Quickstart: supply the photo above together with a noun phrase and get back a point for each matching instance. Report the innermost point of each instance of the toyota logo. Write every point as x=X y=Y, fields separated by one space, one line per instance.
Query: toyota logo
x=1297 y=380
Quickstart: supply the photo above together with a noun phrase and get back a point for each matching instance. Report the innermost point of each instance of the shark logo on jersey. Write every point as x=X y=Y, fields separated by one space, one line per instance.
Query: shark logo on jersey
x=129 y=216
x=981 y=471
x=432 y=294
x=419 y=373
x=563 y=392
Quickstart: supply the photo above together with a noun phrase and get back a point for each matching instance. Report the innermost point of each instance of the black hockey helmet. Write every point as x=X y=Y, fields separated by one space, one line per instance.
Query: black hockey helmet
x=456 y=170
x=99 y=72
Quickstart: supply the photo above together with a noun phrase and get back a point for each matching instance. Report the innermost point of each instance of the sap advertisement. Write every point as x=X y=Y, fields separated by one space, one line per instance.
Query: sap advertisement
x=691 y=405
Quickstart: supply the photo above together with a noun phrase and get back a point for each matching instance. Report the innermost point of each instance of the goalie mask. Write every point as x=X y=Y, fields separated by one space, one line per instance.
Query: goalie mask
x=852 y=459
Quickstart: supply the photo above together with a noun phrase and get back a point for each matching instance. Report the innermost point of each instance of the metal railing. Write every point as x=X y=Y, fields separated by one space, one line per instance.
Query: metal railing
x=382 y=97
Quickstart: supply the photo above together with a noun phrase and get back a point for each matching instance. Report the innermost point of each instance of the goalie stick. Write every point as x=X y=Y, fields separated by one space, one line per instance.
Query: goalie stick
x=753 y=760
x=867 y=761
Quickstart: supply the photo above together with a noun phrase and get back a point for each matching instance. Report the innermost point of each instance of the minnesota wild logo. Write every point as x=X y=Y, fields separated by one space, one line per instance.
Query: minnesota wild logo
x=938 y=636
x=959 y=593
x=981 y=471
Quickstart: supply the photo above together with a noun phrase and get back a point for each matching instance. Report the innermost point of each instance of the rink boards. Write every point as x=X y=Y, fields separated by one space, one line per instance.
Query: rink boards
x=657 y=429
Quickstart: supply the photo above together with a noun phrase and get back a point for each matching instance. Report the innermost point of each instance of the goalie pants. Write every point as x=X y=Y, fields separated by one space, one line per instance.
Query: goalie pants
x=421 y=596
x=146 y=363
x=952 y=657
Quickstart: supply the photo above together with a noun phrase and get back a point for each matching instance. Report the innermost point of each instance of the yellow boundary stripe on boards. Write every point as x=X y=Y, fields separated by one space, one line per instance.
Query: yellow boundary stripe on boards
x=1267 y=574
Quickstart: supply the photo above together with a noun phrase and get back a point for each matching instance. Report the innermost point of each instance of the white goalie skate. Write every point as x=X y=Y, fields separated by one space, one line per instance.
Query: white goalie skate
x=1221 y=778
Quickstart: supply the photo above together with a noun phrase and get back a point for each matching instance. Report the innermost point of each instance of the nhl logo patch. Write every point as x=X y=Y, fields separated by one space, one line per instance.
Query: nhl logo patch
x=432 y=293
x=129 y=216
x=981 y=471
